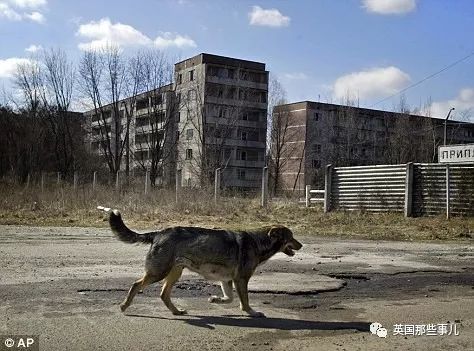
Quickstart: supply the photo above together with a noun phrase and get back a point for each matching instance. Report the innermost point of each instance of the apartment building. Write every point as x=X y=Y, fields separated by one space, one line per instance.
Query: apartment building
x=316 y=134
x=221 y=120
x=212 y=116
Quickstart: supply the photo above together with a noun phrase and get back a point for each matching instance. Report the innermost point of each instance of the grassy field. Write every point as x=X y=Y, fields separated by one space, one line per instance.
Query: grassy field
x=68 y=207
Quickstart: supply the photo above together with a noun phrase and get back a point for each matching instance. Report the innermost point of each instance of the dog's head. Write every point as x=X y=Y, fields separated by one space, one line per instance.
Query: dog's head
x=284 y=237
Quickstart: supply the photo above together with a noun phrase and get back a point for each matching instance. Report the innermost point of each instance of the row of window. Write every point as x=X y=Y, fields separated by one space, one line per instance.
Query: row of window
x=241 y=155
x=244 y=135
x=235 y=93
x=146 y=102
x=232 y=73
x=190 y=77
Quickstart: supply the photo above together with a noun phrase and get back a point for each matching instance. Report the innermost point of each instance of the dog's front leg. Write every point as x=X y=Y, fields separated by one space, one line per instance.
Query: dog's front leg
x=227 y=291
x=241 y=285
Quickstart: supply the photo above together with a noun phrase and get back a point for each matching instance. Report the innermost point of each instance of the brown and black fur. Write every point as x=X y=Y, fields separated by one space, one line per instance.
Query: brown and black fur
x=219 y=255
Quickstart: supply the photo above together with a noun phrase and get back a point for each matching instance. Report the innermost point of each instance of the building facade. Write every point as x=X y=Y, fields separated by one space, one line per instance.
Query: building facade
x=312 y=135
x=222 y=120
x=212 y=116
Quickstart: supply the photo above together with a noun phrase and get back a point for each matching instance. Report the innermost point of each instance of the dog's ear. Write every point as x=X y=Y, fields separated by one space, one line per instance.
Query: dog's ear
x=276 y=233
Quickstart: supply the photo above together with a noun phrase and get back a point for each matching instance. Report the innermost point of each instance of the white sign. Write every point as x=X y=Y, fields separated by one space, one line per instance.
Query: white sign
x=456 y=153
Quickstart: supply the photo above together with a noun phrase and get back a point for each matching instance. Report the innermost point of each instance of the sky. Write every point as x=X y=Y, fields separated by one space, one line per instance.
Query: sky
x=320 y=50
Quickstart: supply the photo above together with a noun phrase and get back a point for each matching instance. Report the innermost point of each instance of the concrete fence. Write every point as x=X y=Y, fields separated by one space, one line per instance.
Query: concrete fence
x=415 y=189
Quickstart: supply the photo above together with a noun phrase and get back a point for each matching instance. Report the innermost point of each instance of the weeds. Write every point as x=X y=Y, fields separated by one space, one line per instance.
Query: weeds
x=64 y=206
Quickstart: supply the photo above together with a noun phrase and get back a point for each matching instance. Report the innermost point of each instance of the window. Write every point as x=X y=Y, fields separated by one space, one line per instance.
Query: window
x=191 y=75
x=142 y=103
x=316 y=148
x=191 y=95
x=222 y=112
x=316 y=116
x=241 y=174
x=231 y=73
x=189 y=154
x=177 y=135
x=178 y=117
x=243 y=155
x=180 y=78
x=243 y=135
x=189 y=134
x=315 y=163
x=178 y=97
x=227 y=154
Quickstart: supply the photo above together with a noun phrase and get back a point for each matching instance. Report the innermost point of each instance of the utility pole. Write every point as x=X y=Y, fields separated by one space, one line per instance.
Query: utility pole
x=446 y=124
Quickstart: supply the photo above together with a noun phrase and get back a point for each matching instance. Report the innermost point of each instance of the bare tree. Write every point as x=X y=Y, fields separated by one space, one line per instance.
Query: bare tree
x=156 y=110
x=107 y=78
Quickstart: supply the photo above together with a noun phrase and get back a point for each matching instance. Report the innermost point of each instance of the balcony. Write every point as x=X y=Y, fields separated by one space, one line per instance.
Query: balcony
x=247 y=164
x=237 y=82
x=235 y=102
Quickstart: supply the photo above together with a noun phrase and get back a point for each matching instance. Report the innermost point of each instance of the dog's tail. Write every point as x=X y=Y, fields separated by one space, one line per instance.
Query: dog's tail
x=122 y=232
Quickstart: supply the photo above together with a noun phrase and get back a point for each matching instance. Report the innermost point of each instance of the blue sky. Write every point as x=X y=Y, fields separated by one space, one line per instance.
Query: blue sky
x=321 y=50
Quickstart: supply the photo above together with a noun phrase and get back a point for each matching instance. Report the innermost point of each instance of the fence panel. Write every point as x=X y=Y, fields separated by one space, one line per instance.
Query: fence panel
x=430 y=190
x=370 y=188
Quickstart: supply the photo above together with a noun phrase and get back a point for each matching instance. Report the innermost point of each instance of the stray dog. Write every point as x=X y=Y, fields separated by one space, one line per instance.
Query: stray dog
x=218 y=255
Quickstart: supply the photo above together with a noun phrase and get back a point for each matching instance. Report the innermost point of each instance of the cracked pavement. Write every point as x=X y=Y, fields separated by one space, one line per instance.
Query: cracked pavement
x=65 y=285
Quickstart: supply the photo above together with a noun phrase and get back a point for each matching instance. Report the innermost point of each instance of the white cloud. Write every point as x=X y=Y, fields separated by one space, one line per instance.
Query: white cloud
x=463 y=103
x=28 y=3
x=8 y=66
x=268 y=17
x=372 y=83
x=33 y=48
x=295 y=76
x=7 y=12
x=389 y=7
x=10 y=10
x=168 y=39
x=36 y=17
x=103 y=33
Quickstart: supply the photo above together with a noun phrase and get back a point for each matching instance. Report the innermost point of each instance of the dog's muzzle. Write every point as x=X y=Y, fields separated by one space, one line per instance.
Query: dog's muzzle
x=291 y=246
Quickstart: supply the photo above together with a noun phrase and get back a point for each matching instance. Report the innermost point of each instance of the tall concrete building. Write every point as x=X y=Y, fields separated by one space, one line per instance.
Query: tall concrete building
x=212 y=116
x=221 y=120
x=315 y=134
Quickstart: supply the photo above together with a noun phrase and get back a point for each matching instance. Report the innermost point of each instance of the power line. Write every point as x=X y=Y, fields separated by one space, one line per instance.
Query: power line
x=424 y=79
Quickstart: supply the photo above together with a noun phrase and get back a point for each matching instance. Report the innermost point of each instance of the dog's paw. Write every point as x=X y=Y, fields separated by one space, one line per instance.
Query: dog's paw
x=179 y=312
x=256 y=314
x=214 y=299
x=123 y=307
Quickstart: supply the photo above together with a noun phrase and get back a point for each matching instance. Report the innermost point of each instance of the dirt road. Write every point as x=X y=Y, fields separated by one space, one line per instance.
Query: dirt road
x=65 y=284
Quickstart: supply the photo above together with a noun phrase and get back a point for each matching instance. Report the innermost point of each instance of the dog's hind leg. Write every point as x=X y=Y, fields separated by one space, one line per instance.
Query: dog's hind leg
x=241 y=285
x=140 y=284
x=227 y=291
x=165 y=295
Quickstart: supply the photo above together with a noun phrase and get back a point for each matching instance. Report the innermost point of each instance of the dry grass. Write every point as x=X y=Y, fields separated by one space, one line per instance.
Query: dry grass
x=67 y=207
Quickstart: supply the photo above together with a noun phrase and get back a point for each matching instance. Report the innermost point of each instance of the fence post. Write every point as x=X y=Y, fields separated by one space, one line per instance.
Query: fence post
x=448 y=200
x=217 y=184
x=94 y=180
x=75 y=180
x=58 y=181
x=117 y=181
x=409 y=190
x=328 y=189
x=147 y=178
x=307 y=195
x=264 y=186
x=42 y=182
x=178 y=183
